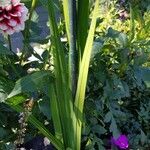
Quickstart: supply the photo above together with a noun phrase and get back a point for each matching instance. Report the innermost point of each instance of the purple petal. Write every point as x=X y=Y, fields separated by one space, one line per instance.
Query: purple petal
x=121 y=142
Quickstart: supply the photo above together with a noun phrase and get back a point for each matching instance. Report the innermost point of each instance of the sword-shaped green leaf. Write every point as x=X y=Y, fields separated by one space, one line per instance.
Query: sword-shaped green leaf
x=83 y=74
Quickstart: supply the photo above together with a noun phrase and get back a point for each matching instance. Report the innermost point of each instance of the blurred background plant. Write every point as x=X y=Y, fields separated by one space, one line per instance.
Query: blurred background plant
x=117 y=93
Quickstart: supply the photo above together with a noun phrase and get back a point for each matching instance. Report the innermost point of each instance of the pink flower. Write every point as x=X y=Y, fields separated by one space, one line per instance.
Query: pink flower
x=12 y=17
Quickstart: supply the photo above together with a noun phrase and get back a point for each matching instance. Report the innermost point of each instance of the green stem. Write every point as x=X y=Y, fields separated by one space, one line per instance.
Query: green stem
x=27 y=30
x=10 y=63
x=132 y=23
x=9 y=43
x=73 y=52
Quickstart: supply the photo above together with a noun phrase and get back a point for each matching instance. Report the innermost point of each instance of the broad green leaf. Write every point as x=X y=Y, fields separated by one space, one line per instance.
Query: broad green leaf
x=123 y=40
x=108 y=117
x=3 y=133
x=4 y=50
x=143 y=137
x=143 y=74
x=96 y=48
x=31 y=83
x=113 y=128
x=44 y=106
x=5 y=88
x=99 y=143
x=99 y=129
x=112 y=33
x=121 y=37
x=3 y=120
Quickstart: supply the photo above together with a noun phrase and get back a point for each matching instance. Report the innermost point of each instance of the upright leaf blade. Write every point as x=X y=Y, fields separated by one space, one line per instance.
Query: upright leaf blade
x=83 y=74
x=55 y=112
x=82 y=25
x=63 y=92
x=69 y=7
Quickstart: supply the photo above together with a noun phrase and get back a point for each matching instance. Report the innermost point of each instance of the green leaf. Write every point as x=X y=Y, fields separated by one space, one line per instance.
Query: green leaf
x=99 y=129
x=15 y=100
x=132 y=23
x=45 y=3
x=83 y=74
x=113 y=128
x=99 y=143
x=121 y=37
x=44 y=106
x=82 y=26
x=123 y=40
x=3 y=120
x=3 y=133
x=112 y=33
x=55 y=111
x=143 y=74
x=5 y=88
x=31 y=83
x=143 y=137
x=63 y=92
x=96 y=48
x=4 y=50
x=108 y=117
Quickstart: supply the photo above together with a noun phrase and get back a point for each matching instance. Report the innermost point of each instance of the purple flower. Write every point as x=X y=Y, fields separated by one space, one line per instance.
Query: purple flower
x=121 y=142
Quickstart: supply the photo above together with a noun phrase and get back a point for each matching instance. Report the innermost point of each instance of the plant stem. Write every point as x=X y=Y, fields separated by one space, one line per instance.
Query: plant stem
x=9 y=43
x=73 y=52
x=27 y=30
x=10 y=63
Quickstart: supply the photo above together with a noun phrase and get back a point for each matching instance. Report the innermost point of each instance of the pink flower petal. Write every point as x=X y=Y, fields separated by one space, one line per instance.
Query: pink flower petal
x=3 y=26
x=13 y=17
x=12 y=23
x=9 y=31
x=8 y=8
x=6 y=16
x=1 y=18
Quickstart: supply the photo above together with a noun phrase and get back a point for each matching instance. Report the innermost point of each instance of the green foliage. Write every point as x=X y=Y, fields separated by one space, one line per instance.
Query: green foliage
x=110 y=68
x=4 y=50
x=31 y=83
x=118 y=86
